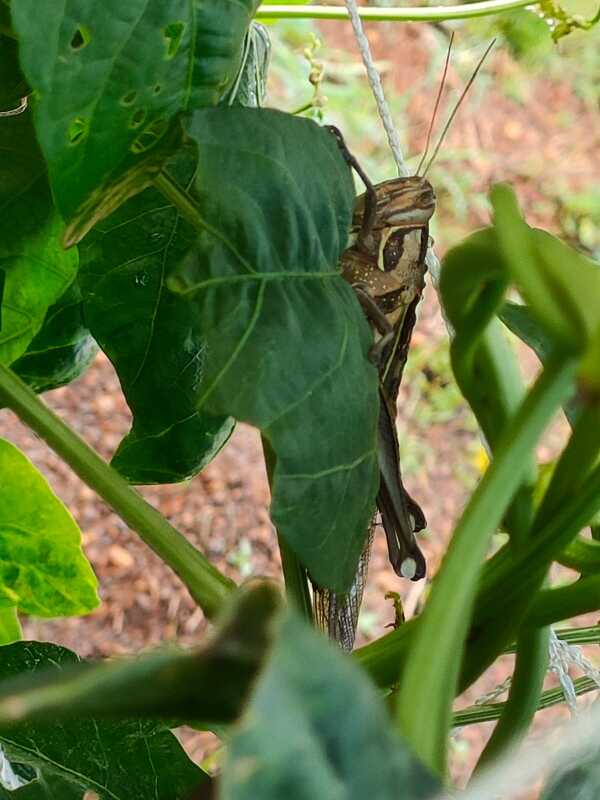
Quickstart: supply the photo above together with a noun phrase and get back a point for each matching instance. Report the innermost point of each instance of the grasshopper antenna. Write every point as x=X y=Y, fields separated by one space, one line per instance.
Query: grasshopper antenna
x=437 y=104
x=457 y=106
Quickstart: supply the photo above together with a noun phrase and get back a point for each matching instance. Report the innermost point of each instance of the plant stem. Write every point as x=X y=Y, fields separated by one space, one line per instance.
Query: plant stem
x=294 y=574
x=489 y=712
x=408 y=14
x=524 y=694
x=564 y=602
x=430 y=676
x=206 y=584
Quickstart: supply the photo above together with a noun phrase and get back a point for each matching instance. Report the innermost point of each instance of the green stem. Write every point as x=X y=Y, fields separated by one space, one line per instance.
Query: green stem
x=524 y=695
x=430 y=676
x=578 y=458
x=473 y=715
x=503 y=602
x=582 y=555
x=553 y=605
x=590 y=635
x=206 y=584
x=409 y=14
x=294 y=574
x=179 y=198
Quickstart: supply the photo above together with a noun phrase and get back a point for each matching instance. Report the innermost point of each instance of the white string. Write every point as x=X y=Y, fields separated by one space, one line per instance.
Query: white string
x=433 y=265
x=377 y=88
x=562 y=656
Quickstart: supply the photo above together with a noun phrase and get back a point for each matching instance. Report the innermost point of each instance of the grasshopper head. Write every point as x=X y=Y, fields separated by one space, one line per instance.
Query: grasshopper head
x=405 y=203
x=402 y=203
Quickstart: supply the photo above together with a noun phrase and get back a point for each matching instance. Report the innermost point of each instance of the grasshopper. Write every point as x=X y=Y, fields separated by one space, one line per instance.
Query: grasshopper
x=385 y=264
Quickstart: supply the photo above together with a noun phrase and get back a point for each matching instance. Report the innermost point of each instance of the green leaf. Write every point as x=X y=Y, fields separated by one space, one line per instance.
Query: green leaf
x=62 y=350
x=208 y=684
x=42 y=568
x=45 y=788
x=37 y=268
x=559 y=284
x=315 y=727
x=152 y=336
x=124 y=760
x=12 y=81
x=10 y=627
x=580 y=782
x=519 y=319
x=108 y=85
x=286 y=341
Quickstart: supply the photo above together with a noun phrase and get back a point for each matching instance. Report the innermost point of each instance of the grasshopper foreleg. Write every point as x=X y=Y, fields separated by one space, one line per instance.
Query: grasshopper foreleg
x=370 y=215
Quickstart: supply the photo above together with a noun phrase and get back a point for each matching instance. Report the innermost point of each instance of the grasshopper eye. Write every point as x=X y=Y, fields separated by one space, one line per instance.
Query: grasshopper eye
x=393 y=251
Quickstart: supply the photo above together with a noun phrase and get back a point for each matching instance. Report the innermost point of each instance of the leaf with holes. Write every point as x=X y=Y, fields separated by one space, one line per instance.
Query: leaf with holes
x=36 y=269
x=152 y=336
x=118 y=760
x=42 y=568
x=62 y=350
x=315 y=728
x=108 y=86
x=286 y=342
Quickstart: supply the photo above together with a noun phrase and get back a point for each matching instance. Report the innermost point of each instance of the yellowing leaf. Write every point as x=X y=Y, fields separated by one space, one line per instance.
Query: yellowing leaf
x=43 y=570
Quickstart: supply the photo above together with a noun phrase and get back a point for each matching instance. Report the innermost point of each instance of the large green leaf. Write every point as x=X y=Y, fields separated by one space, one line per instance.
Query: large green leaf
x=315 y=728
x=580 y=782
x=10 y=626
x=209 y=684
x=42 y=568
x=152 y=336
x=123 y=760
x=108 y=84
x=45 y=789
x=62 y=350
x=37 y=269
x=12 y=81
x=286 y=342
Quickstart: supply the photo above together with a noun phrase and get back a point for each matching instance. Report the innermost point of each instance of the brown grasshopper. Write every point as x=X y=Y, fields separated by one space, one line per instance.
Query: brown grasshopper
x=385 y=264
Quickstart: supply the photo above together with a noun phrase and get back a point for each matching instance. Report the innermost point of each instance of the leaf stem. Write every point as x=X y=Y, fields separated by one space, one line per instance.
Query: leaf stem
x=206 y=584
x=408 y=14
x=430 y=676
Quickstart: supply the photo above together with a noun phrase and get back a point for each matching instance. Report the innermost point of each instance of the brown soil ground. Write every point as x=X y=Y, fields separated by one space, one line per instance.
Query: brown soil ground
x=225 y=510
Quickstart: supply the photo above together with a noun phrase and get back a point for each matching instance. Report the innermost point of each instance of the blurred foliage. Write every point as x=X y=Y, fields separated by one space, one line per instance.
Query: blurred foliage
x=579 y=219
